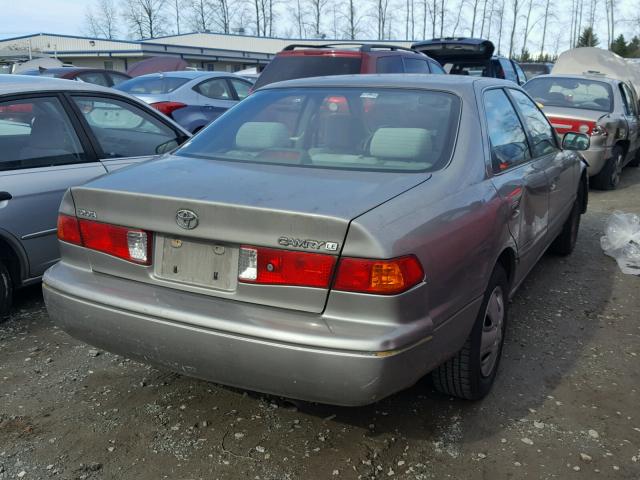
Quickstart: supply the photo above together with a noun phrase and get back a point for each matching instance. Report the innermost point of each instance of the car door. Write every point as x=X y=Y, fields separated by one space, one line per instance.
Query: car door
x=562 y=171
x=631 y=116
x=521 y=184
x=214 y=96
x=123 y=131
x=44 y=152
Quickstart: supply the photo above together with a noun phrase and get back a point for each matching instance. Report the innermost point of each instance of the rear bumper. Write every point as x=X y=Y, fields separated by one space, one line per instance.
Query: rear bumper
x=311 y=373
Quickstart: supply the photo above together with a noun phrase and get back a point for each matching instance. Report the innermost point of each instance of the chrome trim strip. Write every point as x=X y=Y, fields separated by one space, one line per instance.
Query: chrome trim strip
x=43 y=233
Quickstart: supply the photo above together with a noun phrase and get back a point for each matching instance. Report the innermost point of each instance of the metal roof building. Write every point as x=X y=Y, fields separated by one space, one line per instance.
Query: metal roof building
x=206 y=51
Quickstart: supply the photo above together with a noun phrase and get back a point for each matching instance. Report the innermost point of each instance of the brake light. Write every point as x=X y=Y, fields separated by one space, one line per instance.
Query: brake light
x=167 y=107
x=271 y=266
x=129 y=244
x=385 y=277
x=336 y=104
x=69 y=229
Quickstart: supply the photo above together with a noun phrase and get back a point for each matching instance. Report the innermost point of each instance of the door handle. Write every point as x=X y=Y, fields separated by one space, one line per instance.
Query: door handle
x=5 y=196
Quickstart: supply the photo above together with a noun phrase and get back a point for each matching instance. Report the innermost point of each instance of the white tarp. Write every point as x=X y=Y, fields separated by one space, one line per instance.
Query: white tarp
x=584 y=60
x=44 y=62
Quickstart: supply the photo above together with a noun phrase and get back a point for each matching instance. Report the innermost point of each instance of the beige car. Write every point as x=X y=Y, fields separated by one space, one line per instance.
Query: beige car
x=604 y=108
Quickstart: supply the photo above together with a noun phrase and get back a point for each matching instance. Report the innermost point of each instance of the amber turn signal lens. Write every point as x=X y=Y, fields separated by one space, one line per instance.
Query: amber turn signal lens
x=383 y=277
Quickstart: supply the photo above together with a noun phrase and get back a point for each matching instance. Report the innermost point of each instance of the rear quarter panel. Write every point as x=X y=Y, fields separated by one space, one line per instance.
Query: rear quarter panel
x=455 y=223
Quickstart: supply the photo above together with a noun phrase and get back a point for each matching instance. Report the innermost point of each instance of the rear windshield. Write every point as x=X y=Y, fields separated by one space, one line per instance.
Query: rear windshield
x=302 y=66
x=533 y=70
x=473 y=69
x=346 y=128
x=571 y=93
x=151 y=85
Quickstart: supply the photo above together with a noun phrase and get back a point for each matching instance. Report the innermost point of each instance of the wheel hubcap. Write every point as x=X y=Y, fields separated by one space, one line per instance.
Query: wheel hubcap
x=492 y=332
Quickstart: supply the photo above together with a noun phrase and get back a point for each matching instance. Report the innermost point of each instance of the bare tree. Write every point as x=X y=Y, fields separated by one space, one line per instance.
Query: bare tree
x=527 y=27
x=146 y=18
x=101 y=18
x=299 y=18
x=317 y=8
x=222 y=15
x=545 y=21
x=474 y=5
x=353 y=21
x=500 y=13
x=458 y=17
x=176 y=7
x=484 y=17
x=382 y=18
x=515 y=7
x=201 y=15
x=442 y=15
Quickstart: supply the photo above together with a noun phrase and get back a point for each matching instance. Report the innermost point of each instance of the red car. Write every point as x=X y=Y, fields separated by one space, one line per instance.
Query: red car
x=106 y=78
x=300 y=61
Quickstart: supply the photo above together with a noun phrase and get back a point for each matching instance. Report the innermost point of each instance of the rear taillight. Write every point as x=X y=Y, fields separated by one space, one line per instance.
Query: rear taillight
x=69 y=229
x=129 y=244
x=285 y=267
x=385 y=277
x=167 y=107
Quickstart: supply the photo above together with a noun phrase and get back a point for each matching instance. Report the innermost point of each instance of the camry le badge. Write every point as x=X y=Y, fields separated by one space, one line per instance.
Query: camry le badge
x=186 y=219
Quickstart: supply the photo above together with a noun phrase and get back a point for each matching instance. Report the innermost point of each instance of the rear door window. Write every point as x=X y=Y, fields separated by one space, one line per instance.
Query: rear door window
x=522 y=78
x=287 y=67
x=97 y=78
x=543 y=139
x=473 y=69
x=117 y=79
x=241 y=87
x=509 y=146
x=123 y=129
x=215 y=88
x=415 y=65
x=37 y=133
x=507 y=68
x=390 y=64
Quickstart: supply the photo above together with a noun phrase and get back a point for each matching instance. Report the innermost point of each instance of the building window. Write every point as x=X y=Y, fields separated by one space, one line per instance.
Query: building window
x=108 y=65
x=210 y=67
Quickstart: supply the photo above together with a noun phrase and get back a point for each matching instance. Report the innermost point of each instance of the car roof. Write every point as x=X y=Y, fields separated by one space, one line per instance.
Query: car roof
x=414 y=81
x=11 y=84
x=594 y=77
x=190 y=74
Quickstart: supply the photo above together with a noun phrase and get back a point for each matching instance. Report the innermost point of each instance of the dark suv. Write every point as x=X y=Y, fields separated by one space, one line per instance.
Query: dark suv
x=471 y=56
x=300 y=61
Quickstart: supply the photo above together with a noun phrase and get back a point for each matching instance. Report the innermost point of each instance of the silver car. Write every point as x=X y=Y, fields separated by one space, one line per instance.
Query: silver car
x=603 y=108
x=55 y=134
x=329 y=239
x=193 y=99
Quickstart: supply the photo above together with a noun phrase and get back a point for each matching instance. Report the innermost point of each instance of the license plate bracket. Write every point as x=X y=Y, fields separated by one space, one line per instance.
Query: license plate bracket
x=197 y=262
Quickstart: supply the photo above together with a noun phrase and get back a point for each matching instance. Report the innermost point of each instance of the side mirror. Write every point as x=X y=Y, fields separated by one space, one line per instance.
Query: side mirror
x=576 y=141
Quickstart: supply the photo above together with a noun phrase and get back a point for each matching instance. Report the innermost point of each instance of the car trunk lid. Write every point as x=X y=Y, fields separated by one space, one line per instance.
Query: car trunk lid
x=273 y=206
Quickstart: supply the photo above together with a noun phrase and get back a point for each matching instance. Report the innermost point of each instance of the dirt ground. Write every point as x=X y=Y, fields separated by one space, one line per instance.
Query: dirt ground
x=566 y=403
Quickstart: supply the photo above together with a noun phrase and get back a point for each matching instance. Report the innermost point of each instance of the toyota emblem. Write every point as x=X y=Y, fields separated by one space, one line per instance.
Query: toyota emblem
x=186 y=219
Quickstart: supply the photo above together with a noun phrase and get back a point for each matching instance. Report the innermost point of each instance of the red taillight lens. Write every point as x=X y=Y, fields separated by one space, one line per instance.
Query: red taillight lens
x=69 y=229
x=385 y=277
x=285 y=267
x=167 y=107
x=122 y=242
x=129 y=244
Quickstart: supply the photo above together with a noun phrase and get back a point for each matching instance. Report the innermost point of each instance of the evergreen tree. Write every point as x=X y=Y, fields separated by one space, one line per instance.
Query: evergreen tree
x=588 y=38
x=620 y=46
x=633 y=47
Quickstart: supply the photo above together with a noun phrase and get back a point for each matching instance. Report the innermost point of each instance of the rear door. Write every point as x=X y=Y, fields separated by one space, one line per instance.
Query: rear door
x=562 y=171
x=522 y=185
x=44 y=152
x=631 y=116
x=215 y=96
x=123 y=132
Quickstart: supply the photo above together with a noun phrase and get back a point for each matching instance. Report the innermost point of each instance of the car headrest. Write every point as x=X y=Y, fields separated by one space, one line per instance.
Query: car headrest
x=262 y=135
x=400 y=143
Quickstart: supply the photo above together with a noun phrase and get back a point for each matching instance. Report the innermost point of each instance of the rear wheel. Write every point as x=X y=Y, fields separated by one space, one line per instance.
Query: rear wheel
x=636 y=159
x=566 y=241
x=471 y=372
x=6 y=291
x=609 y=176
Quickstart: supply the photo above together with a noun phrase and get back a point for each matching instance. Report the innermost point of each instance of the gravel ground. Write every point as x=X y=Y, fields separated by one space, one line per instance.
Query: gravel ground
x=565 y=404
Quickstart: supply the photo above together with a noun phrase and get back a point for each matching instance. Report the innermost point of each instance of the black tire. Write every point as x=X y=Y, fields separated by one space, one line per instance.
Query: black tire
x=6 y=292
x=566 y=241
x=609 y=176
x=635 y=162
x=468 y=375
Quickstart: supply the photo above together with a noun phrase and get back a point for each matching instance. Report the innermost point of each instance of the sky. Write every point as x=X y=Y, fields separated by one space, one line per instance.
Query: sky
x=67 y=17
